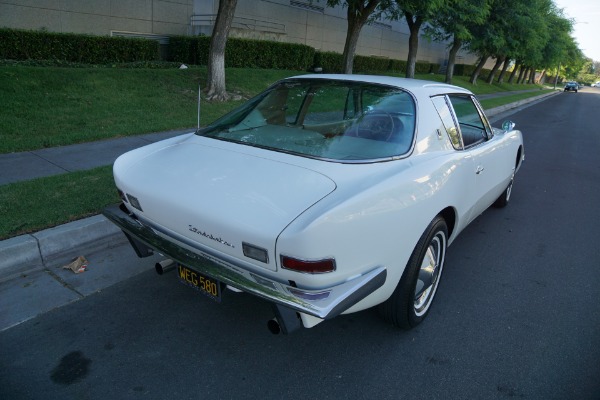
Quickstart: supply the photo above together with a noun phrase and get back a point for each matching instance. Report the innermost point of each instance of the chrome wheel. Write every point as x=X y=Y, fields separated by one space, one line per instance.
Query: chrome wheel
x=509 y=189
x=411 y=301
x=429 y=273
x=504 y=198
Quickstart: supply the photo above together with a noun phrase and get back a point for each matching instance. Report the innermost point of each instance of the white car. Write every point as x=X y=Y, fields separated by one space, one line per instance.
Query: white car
x=324 y=195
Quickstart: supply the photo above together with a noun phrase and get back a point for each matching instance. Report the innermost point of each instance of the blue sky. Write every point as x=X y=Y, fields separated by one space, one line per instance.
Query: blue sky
x=586 y=30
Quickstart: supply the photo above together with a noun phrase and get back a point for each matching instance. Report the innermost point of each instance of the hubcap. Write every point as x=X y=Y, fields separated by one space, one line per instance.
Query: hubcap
x=509 y=189
x=429 y=273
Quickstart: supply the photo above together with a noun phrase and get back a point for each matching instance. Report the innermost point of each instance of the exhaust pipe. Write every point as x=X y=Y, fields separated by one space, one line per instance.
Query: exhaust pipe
x=164 y=266
x=273 y=326
x=286 y=320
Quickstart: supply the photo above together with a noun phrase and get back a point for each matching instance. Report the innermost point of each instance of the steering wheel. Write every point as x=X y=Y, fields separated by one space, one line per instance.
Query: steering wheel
x=376 y=125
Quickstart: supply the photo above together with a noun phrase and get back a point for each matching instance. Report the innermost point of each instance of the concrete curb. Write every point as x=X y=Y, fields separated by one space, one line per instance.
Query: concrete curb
x=529 y=101
x=28 y=253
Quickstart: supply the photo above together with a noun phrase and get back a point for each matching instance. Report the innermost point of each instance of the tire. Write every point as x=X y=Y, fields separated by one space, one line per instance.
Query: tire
x=411 y=301
x=504 y=198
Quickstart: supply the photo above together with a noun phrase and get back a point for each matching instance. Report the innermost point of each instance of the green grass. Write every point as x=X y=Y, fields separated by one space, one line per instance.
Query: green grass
x=52 y=106
x=45 y=202
x=42 y=107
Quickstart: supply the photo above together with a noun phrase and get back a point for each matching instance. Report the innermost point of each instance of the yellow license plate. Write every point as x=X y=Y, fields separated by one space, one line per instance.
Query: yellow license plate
x=208 y=286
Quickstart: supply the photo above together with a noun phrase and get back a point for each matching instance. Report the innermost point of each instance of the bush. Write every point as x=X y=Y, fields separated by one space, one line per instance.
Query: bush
x=328 y=60
x=425 y=67
x=18 y=44
x=371 y=64
x=398 y=66
x=183 y=49
x=244 y=53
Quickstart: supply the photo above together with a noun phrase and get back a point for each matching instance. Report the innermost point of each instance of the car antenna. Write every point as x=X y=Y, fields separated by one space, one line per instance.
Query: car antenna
x=198 y=106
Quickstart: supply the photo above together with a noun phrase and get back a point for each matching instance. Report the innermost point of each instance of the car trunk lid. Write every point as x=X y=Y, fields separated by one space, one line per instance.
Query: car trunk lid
x=221 y=197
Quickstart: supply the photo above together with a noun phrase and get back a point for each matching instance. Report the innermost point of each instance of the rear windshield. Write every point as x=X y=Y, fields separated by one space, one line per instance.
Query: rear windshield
x=334 y=120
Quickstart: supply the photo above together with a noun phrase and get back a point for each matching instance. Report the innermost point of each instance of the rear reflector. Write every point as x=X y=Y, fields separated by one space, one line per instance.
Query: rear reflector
x=309 y=267
x=255 y=252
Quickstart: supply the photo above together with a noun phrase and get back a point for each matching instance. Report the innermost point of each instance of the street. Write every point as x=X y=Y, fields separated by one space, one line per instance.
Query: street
x=516 y=315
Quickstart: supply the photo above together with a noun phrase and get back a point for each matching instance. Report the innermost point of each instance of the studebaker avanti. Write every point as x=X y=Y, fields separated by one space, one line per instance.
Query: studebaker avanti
x=323 y=195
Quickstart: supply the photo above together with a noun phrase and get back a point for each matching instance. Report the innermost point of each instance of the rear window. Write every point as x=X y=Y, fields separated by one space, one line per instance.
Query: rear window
x=333 y=120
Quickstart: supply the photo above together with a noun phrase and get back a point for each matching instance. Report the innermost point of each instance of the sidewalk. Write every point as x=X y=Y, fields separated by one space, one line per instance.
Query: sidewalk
x=16 y=167
x=34 y=261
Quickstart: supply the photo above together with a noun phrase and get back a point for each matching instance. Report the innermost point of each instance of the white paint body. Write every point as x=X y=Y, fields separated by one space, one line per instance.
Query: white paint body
x=363 y=215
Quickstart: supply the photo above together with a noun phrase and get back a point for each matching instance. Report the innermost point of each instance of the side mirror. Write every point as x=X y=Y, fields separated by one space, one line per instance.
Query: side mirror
x=508 y=126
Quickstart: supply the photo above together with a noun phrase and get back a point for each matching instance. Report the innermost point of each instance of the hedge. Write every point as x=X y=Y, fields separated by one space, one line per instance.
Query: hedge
x=239 y=53
x=329 y=61
x=244 y=53
x=16 y=44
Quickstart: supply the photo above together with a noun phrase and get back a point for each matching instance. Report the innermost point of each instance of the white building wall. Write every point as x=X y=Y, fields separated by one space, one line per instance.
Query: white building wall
x=295 y=21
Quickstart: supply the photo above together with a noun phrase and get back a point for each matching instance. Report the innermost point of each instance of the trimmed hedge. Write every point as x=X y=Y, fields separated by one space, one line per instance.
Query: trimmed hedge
x=467 y=70
x=16 y=44
x=244 y=53
x=330 y=62
x=250 y=53
x=240 y=53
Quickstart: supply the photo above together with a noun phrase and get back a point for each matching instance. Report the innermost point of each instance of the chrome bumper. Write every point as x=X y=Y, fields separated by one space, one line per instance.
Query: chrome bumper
x=323 y=303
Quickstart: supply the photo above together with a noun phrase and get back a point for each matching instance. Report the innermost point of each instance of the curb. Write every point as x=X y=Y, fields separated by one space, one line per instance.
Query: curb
x=37 y=251
x=492 y=112
x=34 y=252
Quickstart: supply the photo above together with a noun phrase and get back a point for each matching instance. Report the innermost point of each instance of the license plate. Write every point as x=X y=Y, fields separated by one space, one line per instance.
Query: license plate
x=208 y=286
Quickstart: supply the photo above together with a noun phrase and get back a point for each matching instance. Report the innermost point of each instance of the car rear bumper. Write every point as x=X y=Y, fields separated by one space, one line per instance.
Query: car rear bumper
x=324 y=303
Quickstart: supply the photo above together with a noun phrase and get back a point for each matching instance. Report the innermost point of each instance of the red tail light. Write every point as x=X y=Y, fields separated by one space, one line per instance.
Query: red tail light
x=309 y=267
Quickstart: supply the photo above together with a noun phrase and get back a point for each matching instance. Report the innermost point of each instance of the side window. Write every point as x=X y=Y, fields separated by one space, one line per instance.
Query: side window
x=448 y=120
x=472 y=128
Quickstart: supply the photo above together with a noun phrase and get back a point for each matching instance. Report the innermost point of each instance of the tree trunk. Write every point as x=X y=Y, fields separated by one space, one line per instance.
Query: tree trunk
x=478 y=69
x=216 y=56
x=542 y=79
x=522 y=72
x=350 y=46
x=514 y=72
x=456 y=45
x=504 y=68
x=414 y=25
x=531 y=76
x=490 y=77
x=358 y=15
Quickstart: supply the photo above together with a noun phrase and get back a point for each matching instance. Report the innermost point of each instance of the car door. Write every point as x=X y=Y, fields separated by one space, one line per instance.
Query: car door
x=490 y=155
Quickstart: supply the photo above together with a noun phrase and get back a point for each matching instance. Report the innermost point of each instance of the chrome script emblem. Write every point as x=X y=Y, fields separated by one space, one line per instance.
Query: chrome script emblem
x=210 y=236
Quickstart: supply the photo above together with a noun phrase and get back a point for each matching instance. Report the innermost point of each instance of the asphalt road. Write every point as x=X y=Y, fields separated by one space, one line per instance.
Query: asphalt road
x=517 y=314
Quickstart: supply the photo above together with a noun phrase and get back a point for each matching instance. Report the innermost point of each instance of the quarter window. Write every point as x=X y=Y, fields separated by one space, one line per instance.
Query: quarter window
x=472 y=128
x=448 y=120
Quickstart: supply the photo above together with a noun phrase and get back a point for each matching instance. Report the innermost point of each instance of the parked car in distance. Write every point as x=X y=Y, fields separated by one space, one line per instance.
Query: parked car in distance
x=571 y=86
x=323 y=195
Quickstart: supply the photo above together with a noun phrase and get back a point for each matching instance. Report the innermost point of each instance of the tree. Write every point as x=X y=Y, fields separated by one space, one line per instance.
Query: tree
x=416 y=13
x=216 y=57
x=359 y=12
x=455 y=22
x=490 y=39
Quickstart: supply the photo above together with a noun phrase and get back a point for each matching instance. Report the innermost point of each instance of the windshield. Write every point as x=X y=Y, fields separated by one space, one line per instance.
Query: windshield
x=335 y=120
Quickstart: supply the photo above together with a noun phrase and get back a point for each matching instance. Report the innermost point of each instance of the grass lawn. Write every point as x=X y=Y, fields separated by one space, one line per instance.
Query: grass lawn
x=51 y=106
x=55 y=106
x=41 y=203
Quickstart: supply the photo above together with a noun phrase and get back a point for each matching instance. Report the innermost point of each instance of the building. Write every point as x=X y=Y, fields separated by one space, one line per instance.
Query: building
x=297 y=21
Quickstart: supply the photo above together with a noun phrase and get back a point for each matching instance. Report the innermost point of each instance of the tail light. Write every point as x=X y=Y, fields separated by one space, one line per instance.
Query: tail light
x=308 y=267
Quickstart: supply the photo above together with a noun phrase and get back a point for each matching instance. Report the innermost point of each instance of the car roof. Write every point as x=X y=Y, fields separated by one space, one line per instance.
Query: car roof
x=412 y=85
